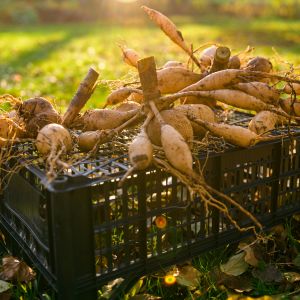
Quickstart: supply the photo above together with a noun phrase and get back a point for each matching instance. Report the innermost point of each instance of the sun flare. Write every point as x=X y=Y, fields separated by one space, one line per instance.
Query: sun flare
x=126 y=1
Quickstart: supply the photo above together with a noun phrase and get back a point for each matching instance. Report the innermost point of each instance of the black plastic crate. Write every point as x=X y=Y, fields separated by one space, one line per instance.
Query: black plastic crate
x=82 y=230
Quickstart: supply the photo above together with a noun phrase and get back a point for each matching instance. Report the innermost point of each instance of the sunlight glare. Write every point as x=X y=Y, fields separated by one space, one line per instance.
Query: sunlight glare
x=126 y=1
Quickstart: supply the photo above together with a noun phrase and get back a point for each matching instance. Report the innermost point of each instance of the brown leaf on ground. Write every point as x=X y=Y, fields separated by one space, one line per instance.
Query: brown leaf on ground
x=235 y=266
x=188 y=276
x=240 y=284
x=291 y=276
x=16 y=270
x=269 y=274
x=250 y=257
x=296 y=260
x=5 y=290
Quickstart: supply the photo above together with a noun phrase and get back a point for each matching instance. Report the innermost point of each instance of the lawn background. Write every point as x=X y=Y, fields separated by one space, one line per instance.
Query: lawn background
x=51 y=60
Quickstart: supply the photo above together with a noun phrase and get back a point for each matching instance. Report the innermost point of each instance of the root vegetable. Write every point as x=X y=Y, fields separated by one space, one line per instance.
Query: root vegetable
x=234 y=62
x=173 y=63
x=130 y=56
x=289 y=87
x=176 y=119
x=199 y=111
x=173 y=79
x=82 y=95
x=176 y=149
x=207 y=56
x=231 y=97
x=260 y=64
x=36 y=113
x=38 y=121
x=233 y=134
x=265 y=121
x=170 y=29
x=34 y=106
x=53 y=138
x=87 y=140
x=140 y=151
x=120 y=95
x=221 y=59
x=99 y=119
x=128 y=105
x=198 y=100
x=136 y=97
x=217 y=80
x=291 y=107
x=260 y=90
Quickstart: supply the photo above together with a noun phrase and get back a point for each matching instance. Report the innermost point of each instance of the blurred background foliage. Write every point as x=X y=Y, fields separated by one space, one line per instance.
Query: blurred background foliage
x=49 y=11
x=47 y=46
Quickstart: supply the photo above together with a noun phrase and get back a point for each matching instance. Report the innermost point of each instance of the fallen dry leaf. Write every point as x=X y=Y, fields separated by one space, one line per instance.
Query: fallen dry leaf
x=240 y=284
x=15 y=269
x=249 y=254
x=108 y=289
x=269 y=274
x=188 y=276
x=5 y=286
x=235 y=266
x=291 y=276
x=296 y=260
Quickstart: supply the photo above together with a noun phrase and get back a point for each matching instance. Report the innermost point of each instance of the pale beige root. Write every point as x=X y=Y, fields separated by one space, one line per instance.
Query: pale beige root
x=290 y=87
x=231 y=97
x=236 y=135
x=136 y=97
x=217 y=80
x=226 y=78
x=265 y=121
x=174 y=79
x=176 y=119
x=206 y=57
x=53 y=137
x=140 y=151
x=260 y=64
x=234 y=62
x=87 y=140
x=290 y=107
x=120 y=95
x=260 y=90
x=99 y=119
x=199 y=111
x=91 y=140
x=127 y=106
x=198 y=100
x=170 y=29
x=175 y=148
x=9 y=129
x=172 y=64
x=130 y=56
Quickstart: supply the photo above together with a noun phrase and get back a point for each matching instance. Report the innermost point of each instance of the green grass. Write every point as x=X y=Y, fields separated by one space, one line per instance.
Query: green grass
x=50 y=60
